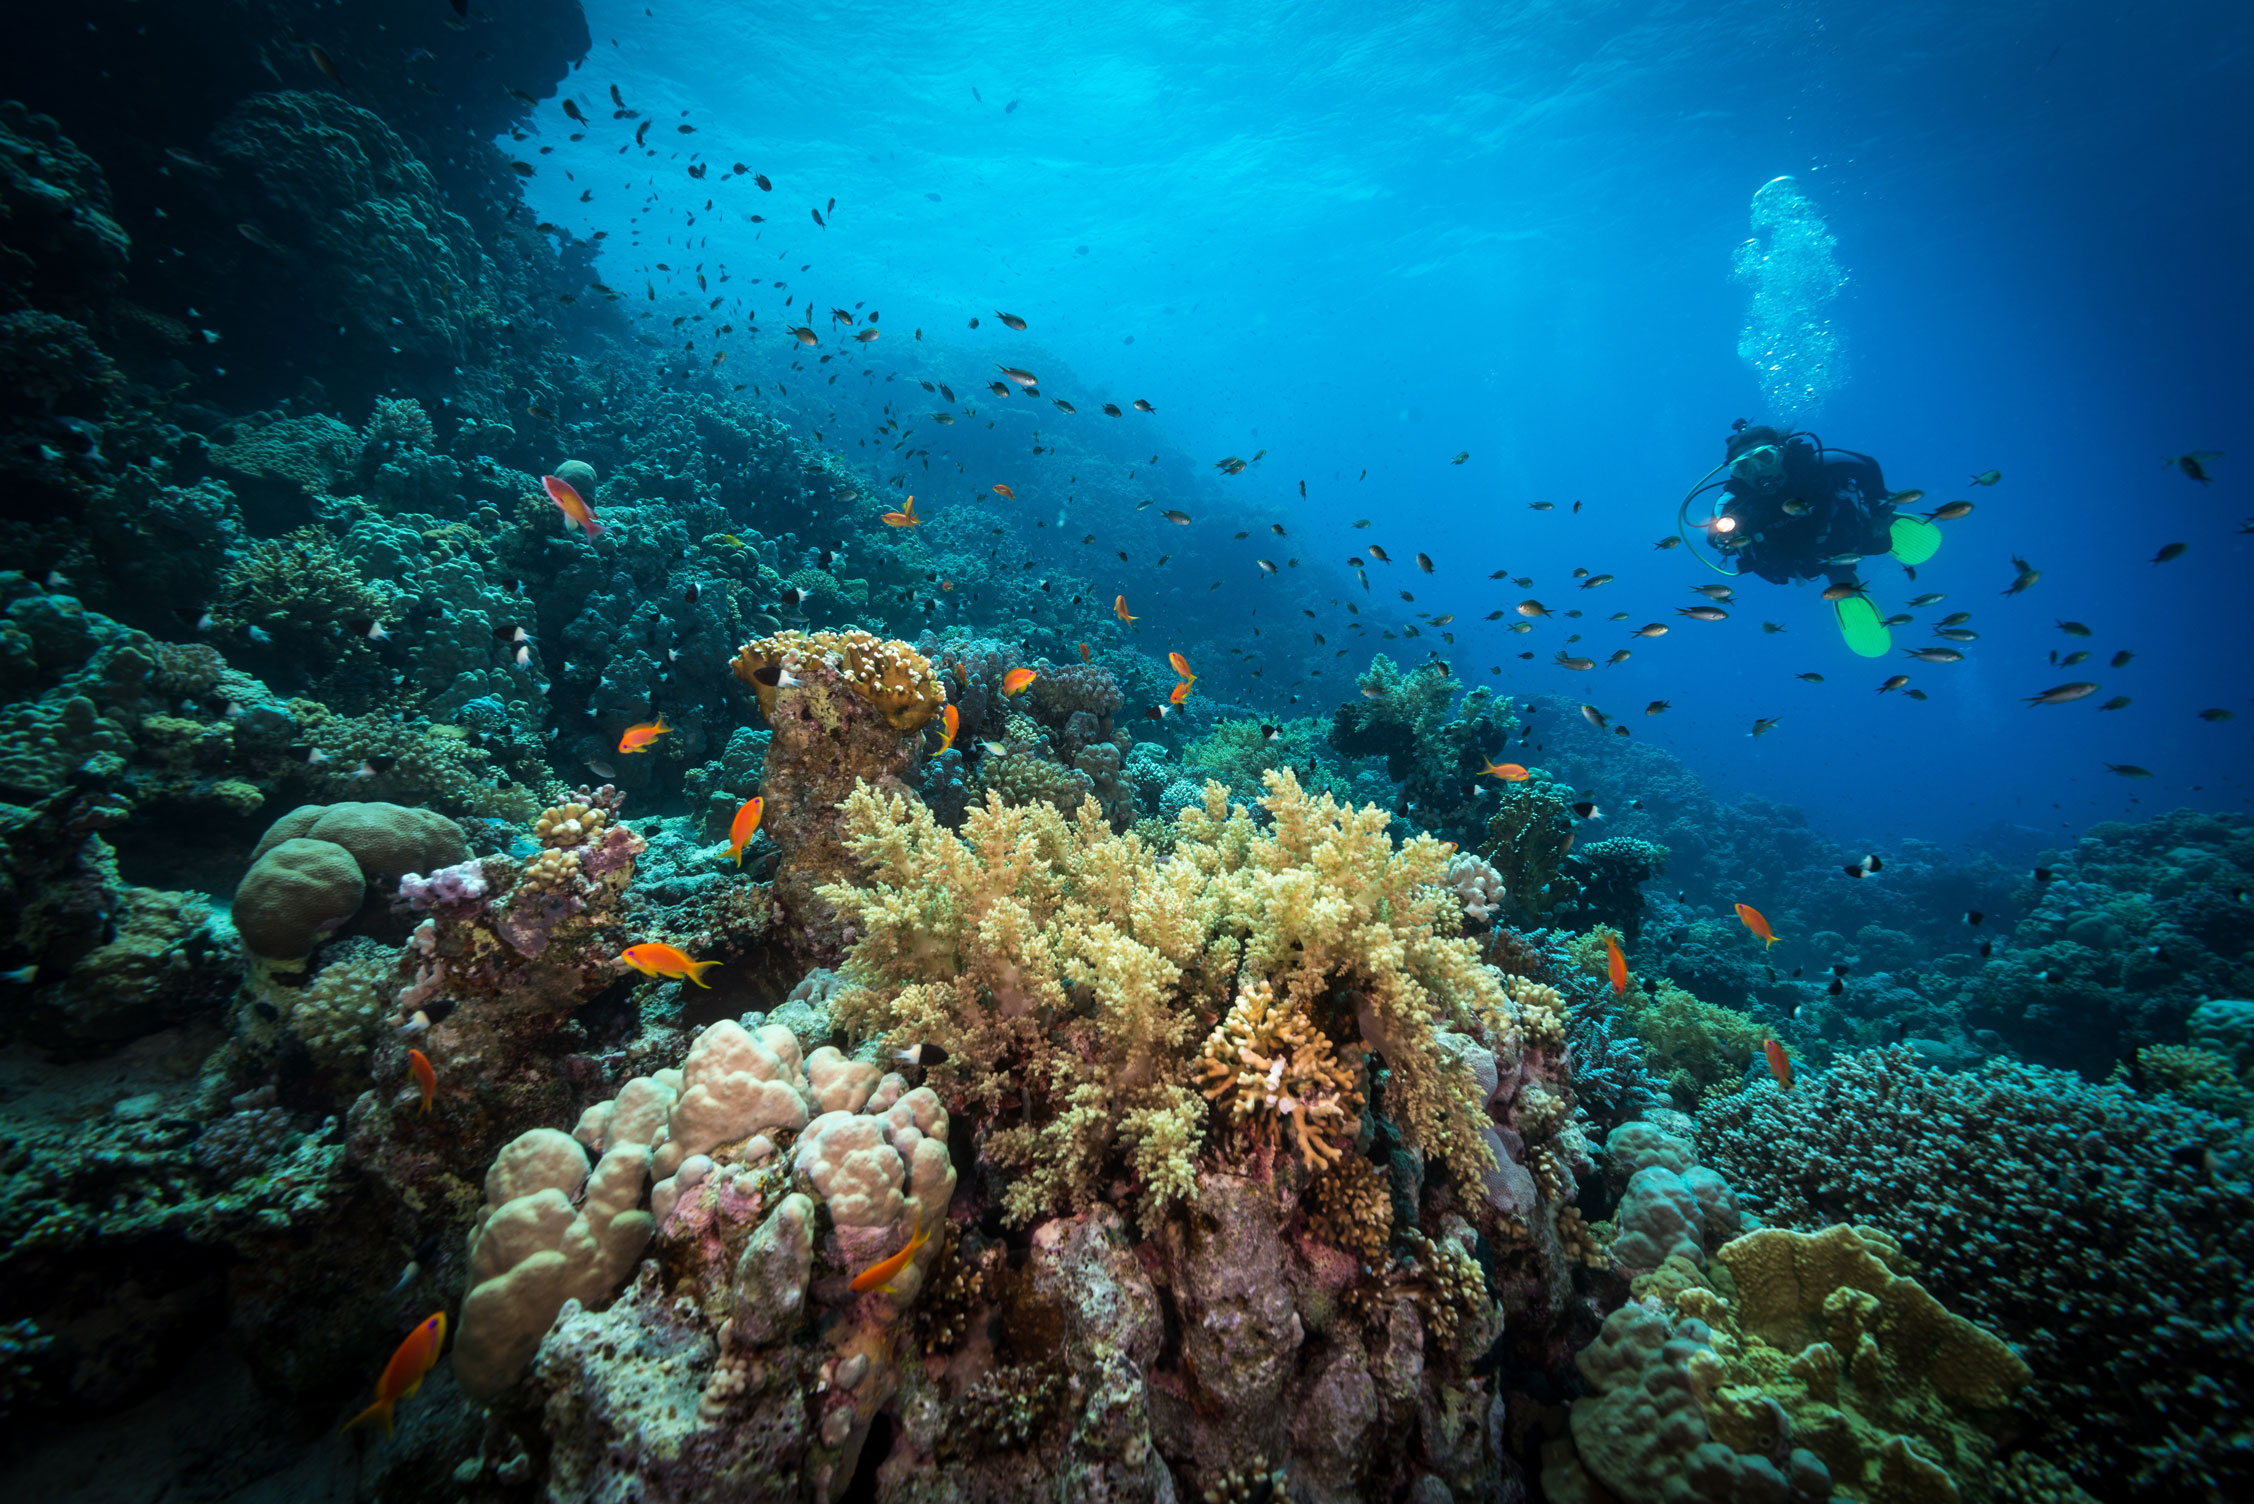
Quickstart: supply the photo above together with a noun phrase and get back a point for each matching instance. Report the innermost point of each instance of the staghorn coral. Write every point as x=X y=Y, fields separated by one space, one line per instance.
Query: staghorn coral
x=1447 y=1284
x=1009 y=1405
x=1689 y=1045
x=2201 y=1078
x=1352 y=1206
x=1062 y=968
x=1266 y=1064
x=2077 y=1221
x=306 y=597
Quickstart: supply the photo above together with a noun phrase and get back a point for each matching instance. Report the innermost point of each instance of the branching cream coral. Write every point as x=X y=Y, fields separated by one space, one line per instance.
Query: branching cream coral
x=1448 y=1284
x=1351 y=1206
x=1266 y=1065
x=1064 y=969
x=570 y=824
x=890 y=675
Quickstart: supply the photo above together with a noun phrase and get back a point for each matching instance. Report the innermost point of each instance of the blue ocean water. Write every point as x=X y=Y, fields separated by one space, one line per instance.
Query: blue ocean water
x=1368 y=242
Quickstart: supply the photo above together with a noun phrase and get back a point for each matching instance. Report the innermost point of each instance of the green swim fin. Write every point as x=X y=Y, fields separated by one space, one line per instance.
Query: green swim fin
x=1859 y=624
x=1913 y=540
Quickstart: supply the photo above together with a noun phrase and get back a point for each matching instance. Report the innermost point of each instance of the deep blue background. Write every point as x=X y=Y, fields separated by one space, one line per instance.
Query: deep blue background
x=1370 y=240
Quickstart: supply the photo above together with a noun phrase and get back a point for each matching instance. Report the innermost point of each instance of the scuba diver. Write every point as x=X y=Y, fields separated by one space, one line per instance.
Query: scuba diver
x=1792 y=509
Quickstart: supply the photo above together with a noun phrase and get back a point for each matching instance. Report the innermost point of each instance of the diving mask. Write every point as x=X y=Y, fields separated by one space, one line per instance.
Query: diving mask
x=1760 y=468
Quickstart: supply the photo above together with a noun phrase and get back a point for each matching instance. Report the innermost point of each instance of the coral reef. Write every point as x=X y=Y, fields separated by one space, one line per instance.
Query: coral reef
x=350 y=206
x=1059 y=966
x=309 y=873
x=845 y=717
x=2081 y=1230
x=1434 y=747
x=2137 y=927
x=1808 y=1366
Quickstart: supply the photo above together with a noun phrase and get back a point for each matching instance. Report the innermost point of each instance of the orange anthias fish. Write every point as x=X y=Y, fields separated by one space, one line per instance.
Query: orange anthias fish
x=418 y=1066
x=1755 y=923
x=1616 y=964
x=1004 y=492
x=884 y=1269
x=746 y=825
x=572 y=505
x=1181 y=692
x=639 y=737
x=950 y=722
x=1508 y=772
x=1780 y=1065
x=1181 y=666
x=655 y=959
x=1018 y=680
x=403 y=1375
x=1119 y=609
x=1084 y=654
x=905 y=517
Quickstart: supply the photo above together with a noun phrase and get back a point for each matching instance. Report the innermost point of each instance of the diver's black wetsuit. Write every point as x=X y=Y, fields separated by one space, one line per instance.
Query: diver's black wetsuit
x=1847 y=514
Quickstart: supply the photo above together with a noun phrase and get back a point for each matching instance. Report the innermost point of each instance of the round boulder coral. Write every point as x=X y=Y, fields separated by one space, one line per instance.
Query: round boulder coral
x=309 y=872
x=294 y=893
